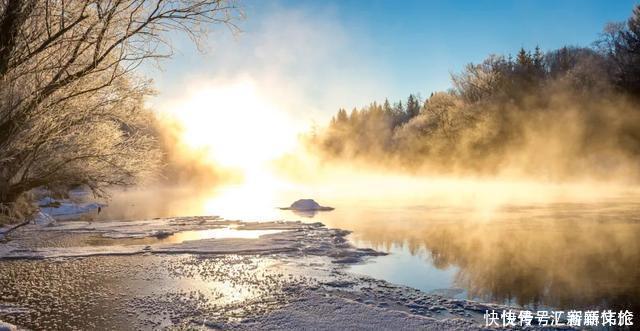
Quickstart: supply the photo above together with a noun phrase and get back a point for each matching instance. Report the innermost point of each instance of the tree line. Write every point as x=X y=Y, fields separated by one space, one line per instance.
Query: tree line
x=568 y=112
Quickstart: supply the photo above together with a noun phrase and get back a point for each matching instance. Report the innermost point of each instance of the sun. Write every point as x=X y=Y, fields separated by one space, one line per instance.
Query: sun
x=237 y=125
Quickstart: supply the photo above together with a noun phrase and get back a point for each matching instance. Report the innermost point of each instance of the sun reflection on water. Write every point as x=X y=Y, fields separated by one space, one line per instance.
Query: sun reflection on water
x=256 y=199
x=528 y=243
x=222 y=233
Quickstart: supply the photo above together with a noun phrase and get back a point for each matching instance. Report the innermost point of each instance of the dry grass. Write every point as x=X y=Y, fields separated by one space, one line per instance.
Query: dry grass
x=17 y=212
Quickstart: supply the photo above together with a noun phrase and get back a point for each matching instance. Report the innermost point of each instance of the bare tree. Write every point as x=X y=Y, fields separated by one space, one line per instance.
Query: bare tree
x=71 y=105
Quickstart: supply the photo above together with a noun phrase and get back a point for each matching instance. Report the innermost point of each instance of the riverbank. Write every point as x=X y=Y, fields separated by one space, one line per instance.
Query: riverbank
x=205 y=271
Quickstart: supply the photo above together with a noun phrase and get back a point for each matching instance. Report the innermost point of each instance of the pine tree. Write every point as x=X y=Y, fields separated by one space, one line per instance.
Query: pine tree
x=354 y=117
x=538 y=60
x=342 y=116
x=398 y=109
x=413 y=107
x=386 y=107
x=524 y=58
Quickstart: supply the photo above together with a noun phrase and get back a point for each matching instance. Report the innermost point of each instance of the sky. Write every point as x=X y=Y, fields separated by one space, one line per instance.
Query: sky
x=308 y=58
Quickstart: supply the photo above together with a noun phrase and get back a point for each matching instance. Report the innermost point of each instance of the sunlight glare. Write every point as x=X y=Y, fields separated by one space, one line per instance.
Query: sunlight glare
x=237 y=124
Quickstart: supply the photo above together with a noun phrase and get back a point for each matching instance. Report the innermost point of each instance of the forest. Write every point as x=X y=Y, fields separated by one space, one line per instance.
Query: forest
x=568 y=113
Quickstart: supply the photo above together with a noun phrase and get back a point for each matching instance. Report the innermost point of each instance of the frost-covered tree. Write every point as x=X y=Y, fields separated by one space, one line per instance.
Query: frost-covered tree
x=621 y=42
x=71 y=105
x=479 y=81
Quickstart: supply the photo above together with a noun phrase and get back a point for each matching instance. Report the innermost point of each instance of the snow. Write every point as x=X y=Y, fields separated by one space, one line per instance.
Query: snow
x=6 y=229
x=43 y=219
x=316 y=292
x=294 y=239
x=46 y=201
x=68 y=209
x=53 y=209
x=294 y=277
x=139 y=228
x=76 y=206
x=315 y=312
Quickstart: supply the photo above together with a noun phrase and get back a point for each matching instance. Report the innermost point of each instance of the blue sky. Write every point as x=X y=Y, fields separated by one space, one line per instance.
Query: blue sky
x=329 y=54
x=424 y=40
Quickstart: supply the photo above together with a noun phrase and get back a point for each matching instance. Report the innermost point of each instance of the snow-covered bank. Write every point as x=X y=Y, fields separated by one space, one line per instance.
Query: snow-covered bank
x=318 y=312
x=70 y=210
x=4 y=230
x=50 y=210
x=296 y=238
x=77 y=205
x=149 y=274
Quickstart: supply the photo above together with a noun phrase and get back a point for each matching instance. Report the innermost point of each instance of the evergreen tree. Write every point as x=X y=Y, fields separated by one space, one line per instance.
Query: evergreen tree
x=524 y=58
x=386 y=107
x=342 y=116
x=538 y=60
x=413 y=107
x=354 y=118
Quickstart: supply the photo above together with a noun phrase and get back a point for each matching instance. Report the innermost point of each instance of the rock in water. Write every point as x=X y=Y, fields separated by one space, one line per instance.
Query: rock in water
x=307 y=205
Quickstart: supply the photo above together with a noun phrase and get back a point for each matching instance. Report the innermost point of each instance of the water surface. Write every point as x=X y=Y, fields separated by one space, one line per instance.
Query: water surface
x=567 y=247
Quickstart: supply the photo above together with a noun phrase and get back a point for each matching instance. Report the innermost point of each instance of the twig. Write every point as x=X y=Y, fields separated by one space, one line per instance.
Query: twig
x=6 y=232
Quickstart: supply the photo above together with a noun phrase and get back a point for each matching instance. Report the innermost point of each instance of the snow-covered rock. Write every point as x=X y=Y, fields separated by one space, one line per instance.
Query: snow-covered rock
x=306 y=205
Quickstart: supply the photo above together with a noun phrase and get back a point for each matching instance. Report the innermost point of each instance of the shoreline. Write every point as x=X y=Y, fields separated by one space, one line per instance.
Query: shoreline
x=316 y=260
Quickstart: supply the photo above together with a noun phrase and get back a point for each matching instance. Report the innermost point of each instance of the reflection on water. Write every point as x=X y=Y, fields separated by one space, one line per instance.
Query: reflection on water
x=75 y=240
x=562 y=263
x=557 y=255
x=306 y=213
x=414 y=269
x=561 y=247
x=221 y=233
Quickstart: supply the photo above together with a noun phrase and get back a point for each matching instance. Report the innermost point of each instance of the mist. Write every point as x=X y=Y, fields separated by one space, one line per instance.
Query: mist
x=242 y=164
x=559 y=116
x=256 y=113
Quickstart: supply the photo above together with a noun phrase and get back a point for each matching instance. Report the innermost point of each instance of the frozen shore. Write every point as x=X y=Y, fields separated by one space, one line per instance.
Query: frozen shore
x=293 y=238
x=205 y=271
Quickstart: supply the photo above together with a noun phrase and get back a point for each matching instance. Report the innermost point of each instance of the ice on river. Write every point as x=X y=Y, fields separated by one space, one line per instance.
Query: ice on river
x=192 y=272
x=192 y=235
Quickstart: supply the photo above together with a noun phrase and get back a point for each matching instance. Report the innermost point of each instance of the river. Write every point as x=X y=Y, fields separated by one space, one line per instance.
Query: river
x=524 y=244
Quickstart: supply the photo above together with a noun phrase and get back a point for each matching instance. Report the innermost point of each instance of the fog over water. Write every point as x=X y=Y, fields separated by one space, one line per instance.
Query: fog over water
x=518 y=184
x=554 y=245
